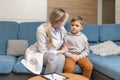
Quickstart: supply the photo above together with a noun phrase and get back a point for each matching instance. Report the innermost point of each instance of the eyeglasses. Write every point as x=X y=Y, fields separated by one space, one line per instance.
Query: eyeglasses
x=59 y=20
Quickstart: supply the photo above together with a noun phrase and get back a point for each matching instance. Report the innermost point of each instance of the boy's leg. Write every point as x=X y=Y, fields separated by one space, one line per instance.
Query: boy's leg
x=86 y=65
x=69 y=65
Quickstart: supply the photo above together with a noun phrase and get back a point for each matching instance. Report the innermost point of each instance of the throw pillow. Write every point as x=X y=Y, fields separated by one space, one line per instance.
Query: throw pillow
x=17 y=47
x=105 y=48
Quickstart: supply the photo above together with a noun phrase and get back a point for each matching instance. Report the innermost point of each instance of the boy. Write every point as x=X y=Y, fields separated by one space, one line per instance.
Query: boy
x=78 y=50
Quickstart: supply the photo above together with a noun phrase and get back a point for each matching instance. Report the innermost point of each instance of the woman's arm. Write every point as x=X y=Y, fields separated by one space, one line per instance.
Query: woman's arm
x=41 y=39
x=42 y=43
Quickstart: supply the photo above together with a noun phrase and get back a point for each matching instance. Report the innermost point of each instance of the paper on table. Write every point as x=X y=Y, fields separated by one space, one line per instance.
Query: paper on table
x=54 y=76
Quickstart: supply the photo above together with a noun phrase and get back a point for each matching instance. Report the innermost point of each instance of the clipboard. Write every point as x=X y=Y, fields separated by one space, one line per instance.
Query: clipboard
x=54 y=76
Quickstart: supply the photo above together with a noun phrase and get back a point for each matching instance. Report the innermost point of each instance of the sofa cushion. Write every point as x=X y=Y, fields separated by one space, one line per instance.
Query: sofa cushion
x=92 y=32
x=110 y=32
x=20 y=68
x=28 y=31
x=67 y=26
x=108 y=65
x=78 y=69
x=3 y=44
x=105 y=48
x=8 y=30
x=17 y=47
x=6 y=63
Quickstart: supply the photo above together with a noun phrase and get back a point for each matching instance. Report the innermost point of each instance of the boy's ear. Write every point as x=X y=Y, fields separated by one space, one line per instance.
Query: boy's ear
x=82 y=27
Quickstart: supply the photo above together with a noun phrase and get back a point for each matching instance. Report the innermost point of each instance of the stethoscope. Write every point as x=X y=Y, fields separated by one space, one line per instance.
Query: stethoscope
x=54 y=34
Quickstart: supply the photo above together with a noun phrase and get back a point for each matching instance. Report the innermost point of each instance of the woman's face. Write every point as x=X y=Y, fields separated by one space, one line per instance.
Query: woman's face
x=58 y=24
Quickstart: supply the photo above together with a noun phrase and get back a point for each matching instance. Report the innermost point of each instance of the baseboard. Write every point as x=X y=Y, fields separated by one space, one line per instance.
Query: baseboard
x=96 y=75
x=15 y=76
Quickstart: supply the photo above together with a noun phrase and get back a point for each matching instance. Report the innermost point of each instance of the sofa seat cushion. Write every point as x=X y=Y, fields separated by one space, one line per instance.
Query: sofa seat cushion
x=6 y=63
x=78 y=69
x=108 y=65
x=19 y=68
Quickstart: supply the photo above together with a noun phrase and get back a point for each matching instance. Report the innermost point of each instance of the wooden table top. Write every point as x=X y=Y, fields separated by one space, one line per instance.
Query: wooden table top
x=70 y=75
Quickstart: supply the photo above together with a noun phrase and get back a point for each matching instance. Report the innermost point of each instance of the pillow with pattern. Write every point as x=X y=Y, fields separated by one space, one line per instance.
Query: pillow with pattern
x=105 y=48
x=17 y=47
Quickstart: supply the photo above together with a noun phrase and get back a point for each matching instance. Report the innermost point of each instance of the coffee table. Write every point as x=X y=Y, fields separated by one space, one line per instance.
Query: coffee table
x=70 y=75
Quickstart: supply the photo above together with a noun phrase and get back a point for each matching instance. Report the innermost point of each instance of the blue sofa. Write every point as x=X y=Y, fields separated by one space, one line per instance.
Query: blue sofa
x=105 y=68
x=108 y=67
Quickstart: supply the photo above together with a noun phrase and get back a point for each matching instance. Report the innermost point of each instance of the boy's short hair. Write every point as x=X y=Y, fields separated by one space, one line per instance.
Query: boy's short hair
x=78 y=18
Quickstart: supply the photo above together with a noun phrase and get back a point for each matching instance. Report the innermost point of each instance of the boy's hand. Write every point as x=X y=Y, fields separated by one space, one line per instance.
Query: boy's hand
x=75 y=57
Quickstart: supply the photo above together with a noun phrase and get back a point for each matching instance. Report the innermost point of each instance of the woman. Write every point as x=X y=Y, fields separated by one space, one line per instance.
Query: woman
x=47 y=50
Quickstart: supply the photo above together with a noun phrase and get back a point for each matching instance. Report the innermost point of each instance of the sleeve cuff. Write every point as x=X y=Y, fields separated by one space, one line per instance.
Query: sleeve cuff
x=68 y=54
x=83 y=54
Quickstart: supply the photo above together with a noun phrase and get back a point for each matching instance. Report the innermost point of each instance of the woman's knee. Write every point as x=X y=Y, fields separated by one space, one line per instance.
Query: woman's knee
x=62 y=57
x=50 y=58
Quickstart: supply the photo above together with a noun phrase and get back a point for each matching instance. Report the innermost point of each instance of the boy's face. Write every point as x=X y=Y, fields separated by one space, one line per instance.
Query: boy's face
x=76 y=27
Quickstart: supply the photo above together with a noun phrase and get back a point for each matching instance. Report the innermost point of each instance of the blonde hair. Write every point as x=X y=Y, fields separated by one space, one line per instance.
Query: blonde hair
x=58 y=14
x=47 y=27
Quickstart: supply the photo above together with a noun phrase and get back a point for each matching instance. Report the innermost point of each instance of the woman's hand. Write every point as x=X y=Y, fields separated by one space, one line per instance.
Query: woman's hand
x=65 y=48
